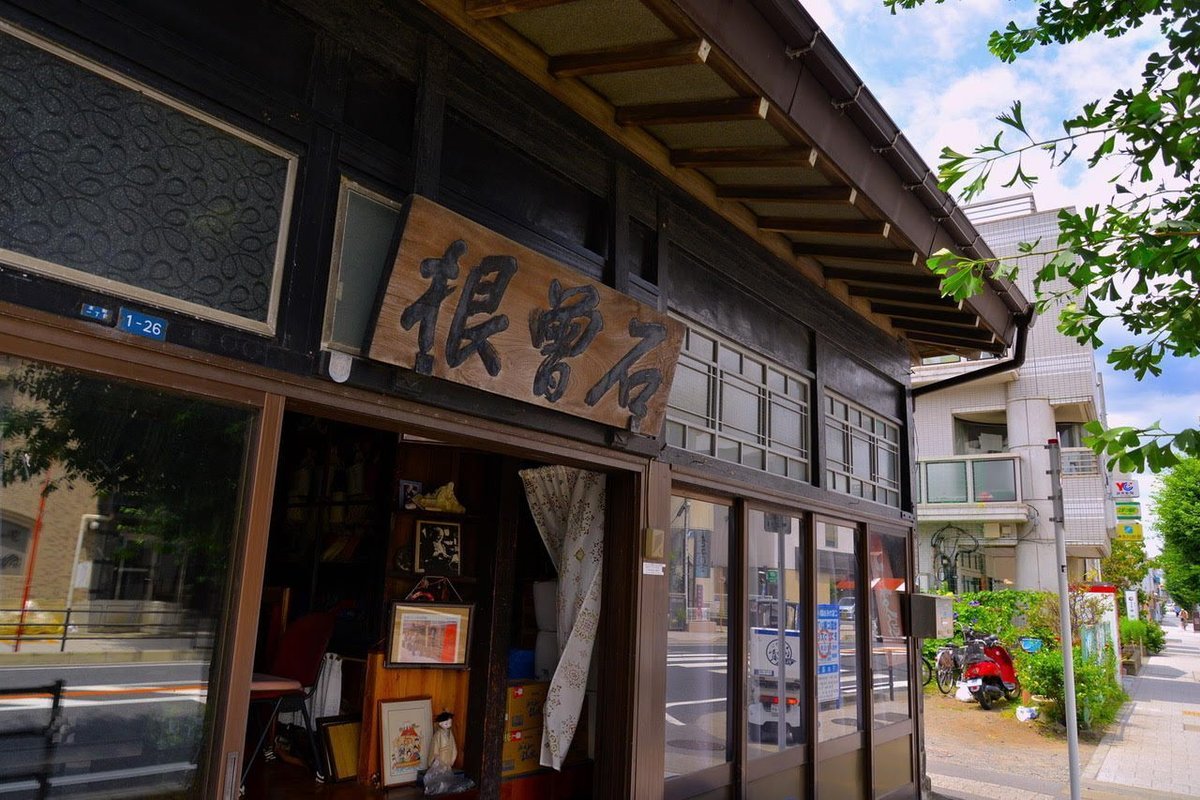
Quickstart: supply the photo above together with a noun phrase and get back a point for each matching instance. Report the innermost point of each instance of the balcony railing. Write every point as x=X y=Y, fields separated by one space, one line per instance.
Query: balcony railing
x=1079 y=461
x=970 y=479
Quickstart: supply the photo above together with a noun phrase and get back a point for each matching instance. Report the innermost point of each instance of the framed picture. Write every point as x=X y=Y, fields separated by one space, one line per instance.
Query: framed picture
x=340 y=737
x=437 y=548
x=429 y=634
x=406 y=492
x=405 y=728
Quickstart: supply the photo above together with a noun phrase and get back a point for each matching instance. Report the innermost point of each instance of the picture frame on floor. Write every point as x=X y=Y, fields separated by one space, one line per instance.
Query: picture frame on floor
x=405 y=728
x=339 y=736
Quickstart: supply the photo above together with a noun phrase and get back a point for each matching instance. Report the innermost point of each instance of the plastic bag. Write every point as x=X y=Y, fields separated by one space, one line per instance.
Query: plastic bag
x=1026 y=713
x=440 y=779
x=963 y=694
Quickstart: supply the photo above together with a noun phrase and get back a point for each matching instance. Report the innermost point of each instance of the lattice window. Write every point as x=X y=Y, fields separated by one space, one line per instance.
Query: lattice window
x=862 y=452
x=733 y=405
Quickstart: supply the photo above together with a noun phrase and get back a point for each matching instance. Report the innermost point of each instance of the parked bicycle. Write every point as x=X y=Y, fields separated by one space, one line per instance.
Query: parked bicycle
x=926 y=670
x=948 y=667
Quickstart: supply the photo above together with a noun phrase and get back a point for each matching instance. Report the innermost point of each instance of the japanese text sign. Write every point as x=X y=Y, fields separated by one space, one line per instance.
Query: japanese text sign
x=1129 y=510
x=466 y=304
x=1129 y=531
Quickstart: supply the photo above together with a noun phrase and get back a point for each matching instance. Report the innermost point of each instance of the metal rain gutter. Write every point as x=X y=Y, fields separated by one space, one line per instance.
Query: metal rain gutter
x=1023 y=321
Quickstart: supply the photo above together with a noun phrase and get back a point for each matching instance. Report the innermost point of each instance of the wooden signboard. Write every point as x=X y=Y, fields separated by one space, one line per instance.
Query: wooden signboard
x=466 y=304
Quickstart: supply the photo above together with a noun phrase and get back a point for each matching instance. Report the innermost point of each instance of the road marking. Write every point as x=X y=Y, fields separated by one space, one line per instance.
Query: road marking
x=695 y=702
x=674 y=721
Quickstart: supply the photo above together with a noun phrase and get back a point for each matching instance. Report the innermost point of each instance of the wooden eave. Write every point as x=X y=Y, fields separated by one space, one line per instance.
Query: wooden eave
x=680 y=91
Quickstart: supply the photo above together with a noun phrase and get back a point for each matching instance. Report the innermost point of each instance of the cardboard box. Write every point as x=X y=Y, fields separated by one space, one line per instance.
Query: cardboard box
x=521 y=752
x=523 y=705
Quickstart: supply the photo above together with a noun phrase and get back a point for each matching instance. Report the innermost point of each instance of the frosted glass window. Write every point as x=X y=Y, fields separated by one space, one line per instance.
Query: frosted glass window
x=366 y=222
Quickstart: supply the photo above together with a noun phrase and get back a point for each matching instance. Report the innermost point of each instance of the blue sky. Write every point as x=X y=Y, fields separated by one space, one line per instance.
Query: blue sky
x=931 y=70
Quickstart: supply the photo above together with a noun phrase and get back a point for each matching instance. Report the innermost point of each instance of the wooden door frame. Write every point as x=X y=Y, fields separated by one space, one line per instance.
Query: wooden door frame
x=76 y=344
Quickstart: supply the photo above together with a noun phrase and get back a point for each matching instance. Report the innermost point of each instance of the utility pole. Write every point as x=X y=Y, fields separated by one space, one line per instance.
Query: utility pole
x=1064 y=614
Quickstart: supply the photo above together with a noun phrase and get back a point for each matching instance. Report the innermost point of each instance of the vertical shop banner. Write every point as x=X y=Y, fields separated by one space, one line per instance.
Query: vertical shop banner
x=829 y=653
x=1131 y=603
x=465 y=304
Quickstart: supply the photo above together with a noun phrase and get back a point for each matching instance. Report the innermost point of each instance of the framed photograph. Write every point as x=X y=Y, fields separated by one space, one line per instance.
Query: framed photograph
x=405 y=728
x=437 y=548
x=340 y=738
x=406 y=492
x=429 y=634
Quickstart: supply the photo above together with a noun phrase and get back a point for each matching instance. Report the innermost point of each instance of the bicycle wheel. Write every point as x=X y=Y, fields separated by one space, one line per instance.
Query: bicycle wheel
x=946 y=677
x=926 y=671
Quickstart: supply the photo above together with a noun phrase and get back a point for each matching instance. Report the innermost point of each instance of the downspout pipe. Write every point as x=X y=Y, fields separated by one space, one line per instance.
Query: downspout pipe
x=1023 y=321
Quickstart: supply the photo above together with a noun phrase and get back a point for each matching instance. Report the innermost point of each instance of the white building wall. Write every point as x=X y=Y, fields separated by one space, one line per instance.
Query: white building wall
x=1058 y=379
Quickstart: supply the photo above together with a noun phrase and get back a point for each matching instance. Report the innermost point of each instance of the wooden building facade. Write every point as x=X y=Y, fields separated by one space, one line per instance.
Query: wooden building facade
x=266 y=264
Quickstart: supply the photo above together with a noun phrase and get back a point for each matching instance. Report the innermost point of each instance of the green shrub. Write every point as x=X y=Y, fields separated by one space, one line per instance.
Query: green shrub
x=1156 y=638
x=1008 y=613
x=1098 y=694
x=1133 y=631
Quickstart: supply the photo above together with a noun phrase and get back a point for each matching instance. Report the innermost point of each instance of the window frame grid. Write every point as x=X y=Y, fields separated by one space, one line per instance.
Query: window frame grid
x=842 y=470
x=764 y=442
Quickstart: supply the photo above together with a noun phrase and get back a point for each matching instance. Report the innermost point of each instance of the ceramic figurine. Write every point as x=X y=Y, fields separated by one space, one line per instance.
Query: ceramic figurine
x=442 y=499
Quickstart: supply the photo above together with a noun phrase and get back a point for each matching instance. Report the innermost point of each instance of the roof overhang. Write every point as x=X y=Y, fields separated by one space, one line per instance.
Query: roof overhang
x=748 y=108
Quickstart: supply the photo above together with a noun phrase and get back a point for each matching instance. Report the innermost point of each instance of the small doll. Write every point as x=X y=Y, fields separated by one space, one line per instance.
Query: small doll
x=443 y=749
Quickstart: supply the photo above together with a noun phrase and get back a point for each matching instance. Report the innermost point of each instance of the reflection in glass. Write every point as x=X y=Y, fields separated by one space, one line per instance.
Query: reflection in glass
x=697 y=726
x=837 y=666
x=946 y=482
x=773 y=579
x=888 y=566
x=995 y=481
x=131 y=498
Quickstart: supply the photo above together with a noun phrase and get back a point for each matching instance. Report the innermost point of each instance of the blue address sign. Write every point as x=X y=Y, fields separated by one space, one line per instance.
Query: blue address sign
x=136 y=322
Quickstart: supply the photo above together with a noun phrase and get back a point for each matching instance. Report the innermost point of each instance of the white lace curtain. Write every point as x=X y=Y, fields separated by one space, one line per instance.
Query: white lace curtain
x=568 y=507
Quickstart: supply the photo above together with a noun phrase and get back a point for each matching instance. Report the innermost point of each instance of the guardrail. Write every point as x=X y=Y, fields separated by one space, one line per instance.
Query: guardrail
x=61 y=625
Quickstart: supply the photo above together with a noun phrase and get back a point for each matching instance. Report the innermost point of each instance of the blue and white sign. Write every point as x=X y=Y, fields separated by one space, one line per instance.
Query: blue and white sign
x=829 y=653
x=136 y=322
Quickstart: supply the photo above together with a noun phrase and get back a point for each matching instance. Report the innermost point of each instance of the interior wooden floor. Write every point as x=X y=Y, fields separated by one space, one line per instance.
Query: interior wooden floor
x=282 y=781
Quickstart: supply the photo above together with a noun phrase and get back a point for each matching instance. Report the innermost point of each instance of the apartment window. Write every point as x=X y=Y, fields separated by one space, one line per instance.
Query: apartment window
x=732 y=405
x=14 y=545
x=972 y=438
x=1070 y=434
x=863 y=452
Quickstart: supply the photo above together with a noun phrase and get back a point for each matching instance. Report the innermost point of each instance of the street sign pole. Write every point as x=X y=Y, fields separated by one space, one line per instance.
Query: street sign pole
x=1064 y=614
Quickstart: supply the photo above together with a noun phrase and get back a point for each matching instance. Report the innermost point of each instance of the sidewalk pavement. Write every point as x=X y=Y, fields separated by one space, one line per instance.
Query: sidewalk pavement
x=1152 y=751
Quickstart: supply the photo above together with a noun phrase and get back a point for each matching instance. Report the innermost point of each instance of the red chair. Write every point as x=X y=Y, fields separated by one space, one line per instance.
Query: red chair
x=292 y=679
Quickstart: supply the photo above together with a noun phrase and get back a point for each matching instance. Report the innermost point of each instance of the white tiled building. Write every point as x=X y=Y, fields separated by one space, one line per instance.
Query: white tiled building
x=984 y=511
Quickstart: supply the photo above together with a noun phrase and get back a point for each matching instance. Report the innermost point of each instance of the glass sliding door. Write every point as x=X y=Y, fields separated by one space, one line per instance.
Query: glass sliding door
x=887 y=561
x=838 y=672
x=777 y=703
x=130 y=498
x=698 y=651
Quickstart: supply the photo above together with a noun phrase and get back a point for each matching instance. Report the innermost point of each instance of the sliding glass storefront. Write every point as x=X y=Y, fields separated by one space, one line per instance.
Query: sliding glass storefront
x=119 y=506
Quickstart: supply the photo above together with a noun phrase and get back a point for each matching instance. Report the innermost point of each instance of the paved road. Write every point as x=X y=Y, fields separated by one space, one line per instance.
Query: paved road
x=138 y=726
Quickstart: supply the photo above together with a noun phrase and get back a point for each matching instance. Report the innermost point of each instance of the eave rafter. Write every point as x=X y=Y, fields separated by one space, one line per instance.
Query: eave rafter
x=631 y=59
x=815 y=214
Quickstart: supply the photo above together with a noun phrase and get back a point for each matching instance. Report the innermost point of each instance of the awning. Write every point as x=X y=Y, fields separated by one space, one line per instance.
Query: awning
x=749 y=109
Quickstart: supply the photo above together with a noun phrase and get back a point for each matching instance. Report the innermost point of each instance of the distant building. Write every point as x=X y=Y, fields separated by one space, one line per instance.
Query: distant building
x=983 y=508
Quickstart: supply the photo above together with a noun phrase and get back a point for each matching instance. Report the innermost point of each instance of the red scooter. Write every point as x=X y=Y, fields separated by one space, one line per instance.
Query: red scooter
x=989 y=671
